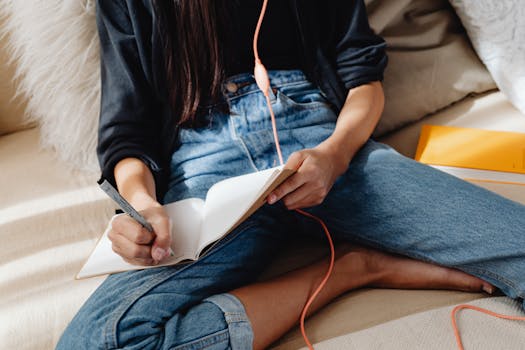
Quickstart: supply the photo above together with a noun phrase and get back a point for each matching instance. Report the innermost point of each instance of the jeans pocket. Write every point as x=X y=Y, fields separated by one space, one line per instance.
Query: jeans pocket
x=304 y=95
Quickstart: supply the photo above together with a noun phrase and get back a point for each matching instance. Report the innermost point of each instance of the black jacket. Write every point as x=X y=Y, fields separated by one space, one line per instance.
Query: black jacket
x=341 y=52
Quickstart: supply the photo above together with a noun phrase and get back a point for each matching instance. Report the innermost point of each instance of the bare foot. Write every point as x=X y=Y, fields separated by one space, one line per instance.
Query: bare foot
x=395 y=271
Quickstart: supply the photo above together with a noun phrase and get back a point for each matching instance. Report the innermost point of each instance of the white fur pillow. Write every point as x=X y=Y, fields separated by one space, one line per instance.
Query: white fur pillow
x=55 y=46
x=11 y=106
x=497 y=32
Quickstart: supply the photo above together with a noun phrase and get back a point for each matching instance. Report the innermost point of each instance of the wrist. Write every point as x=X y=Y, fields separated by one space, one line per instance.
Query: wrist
x=339 y=158
x=338 y=150
x=135 y=183
x=142 y=200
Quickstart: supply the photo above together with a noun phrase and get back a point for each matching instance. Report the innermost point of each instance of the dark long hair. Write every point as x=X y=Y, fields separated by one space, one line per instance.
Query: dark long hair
x=193 y=34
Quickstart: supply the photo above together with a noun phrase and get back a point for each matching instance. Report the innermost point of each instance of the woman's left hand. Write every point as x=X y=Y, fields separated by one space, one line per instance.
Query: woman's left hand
x=317 y=170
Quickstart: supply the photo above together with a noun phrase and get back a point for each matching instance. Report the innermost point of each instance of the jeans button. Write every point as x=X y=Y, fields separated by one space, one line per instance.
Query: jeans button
x=231 y=87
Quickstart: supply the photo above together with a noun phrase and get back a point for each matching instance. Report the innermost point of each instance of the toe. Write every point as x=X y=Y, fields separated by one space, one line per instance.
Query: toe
x=468 y=283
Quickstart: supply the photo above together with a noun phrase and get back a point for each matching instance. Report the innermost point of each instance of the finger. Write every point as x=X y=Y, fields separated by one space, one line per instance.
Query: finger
x=141 y=262
x=135 y=261
x=132 y=230
x=161 y=245
x=128 y=249
x=124 y=224
x=295 y=160
x=306 y=196
x=306 y=202
x=139 y=235
x=296 y=196
x=291 y=184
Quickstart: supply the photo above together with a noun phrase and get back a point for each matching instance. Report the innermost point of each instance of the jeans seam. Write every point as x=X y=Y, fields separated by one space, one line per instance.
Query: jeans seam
x=112 y=324
x=234 y=97
x=111 y=330
x=313 y=105
x=245 y=148
x=110 y=335
x=235 y=317
x=204 y=342
x=236 y=137
x=491 y=274
x=254 y=91
x=239 y=325
x=233 y=131
x=292 y=83
x=395 y=251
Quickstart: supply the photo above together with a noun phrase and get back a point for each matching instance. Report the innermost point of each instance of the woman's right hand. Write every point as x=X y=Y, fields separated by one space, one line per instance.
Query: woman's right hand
x=135 y=244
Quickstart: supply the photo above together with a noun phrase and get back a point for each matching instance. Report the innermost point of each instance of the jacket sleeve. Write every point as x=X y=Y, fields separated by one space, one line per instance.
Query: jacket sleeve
x=128 y=125
x=360 y=54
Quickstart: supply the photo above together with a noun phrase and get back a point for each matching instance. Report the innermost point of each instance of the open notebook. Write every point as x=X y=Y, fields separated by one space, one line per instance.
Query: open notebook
x=197 y=224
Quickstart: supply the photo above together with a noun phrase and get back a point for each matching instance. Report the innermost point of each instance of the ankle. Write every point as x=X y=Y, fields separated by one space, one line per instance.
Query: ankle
x=356 y=268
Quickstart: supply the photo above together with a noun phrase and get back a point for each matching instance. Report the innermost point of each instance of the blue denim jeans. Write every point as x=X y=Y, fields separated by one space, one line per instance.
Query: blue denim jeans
x=384 y=200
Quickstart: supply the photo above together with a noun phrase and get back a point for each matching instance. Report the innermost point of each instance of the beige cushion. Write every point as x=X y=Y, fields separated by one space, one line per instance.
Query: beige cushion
x=431 y=61
x=50 y=219
x=491 y=111
x=11 y=108
x=432 y=330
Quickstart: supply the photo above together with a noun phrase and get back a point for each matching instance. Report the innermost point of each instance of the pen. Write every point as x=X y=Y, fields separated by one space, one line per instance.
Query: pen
x=125 y=206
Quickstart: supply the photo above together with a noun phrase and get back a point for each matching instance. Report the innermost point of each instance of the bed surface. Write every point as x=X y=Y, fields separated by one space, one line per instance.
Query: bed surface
x=50 y=220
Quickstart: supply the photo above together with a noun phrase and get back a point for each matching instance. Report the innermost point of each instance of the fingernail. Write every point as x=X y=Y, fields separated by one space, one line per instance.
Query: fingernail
x=488 y=289
x=272 y=198
x=159 y=253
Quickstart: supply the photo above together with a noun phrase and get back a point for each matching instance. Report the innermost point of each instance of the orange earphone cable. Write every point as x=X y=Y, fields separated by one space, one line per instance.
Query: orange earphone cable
x=475 y=308
x=263 y=82
x=257 y=30
x=325 y=279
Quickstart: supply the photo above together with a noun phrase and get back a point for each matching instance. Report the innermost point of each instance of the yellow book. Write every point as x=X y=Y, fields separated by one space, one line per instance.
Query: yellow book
x=474 y=154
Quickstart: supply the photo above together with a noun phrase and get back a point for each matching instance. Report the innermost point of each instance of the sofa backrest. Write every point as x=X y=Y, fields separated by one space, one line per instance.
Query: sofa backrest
x=431 y=61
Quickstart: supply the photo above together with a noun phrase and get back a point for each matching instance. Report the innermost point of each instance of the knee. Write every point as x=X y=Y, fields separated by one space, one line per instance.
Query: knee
x=374 y=158
x=212 y=324
x=376 y=152
x=201 y=326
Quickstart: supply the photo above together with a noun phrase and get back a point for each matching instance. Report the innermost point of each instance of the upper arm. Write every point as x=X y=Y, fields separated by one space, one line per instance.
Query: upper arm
x=128 y=124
